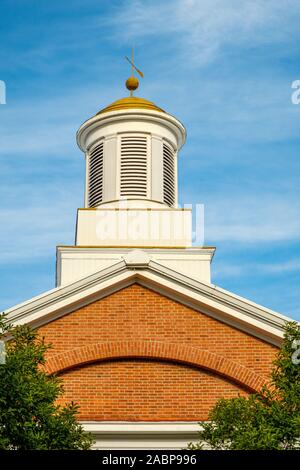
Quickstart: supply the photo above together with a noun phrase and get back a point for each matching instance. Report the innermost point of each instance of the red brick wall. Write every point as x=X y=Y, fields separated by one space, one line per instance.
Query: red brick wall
x=136 y=389
x=143 y=390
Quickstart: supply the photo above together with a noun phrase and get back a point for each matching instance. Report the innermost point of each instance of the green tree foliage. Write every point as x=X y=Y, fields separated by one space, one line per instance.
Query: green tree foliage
x=29 y=415
x=269 y=420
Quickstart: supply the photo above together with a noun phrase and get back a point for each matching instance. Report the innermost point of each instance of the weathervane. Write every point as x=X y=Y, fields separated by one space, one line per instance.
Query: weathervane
x=132 y=82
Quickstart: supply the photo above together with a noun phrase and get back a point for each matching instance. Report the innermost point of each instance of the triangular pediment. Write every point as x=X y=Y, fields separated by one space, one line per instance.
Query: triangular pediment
x=205 y=298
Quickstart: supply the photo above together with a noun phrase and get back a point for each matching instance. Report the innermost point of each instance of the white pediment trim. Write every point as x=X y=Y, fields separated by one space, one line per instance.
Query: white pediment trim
x=206 y=298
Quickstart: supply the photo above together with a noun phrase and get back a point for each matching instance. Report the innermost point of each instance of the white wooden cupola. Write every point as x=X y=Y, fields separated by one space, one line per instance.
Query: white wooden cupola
x=131 y=150
x=131 y=198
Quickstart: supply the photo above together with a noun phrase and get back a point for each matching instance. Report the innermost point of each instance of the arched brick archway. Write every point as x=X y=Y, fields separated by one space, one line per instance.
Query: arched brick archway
x=180 y=353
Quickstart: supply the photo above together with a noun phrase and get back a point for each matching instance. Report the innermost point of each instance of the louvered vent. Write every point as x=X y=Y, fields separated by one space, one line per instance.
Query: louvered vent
x=134 y=166
x=168 y=176
x=96 y=176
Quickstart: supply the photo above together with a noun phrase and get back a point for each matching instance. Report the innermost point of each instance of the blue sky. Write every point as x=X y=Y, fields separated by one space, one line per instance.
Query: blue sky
x=223 y=67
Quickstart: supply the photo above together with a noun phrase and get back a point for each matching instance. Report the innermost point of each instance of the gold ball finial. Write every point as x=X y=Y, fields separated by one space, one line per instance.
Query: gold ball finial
x=132 y=83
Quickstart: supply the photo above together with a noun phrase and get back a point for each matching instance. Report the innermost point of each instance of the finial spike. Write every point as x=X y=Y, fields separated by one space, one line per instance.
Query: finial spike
x=132 y=82
x=132 y=58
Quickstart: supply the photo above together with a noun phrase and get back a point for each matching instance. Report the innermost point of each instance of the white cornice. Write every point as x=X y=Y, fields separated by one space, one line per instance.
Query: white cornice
x=206 y=298
x=141 y=427
x=192 y=251
x=142 y=435
x=100 y=120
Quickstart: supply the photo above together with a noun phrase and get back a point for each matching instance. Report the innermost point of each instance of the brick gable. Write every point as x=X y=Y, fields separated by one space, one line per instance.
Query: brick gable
x=159 y=350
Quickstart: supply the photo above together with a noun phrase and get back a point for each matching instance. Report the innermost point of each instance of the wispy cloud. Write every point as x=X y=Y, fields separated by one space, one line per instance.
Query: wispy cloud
x=252 y=219
x=261 y=268
x=43 y=125
x=204 y=28
x=31 y=231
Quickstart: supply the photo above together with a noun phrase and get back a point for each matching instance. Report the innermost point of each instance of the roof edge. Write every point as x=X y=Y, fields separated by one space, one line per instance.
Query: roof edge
x=206 y=298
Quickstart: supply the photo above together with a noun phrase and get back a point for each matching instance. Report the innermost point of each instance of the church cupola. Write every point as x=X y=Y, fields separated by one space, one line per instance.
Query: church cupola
x=131 y=196
x=131 y=209
x=131 y=149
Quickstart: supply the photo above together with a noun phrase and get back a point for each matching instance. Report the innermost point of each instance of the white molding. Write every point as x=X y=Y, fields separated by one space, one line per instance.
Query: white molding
x=77 y=262
x=110 y=167
x=143 y=115
x=189 y=251
x=136 y=258
x=207 y=298
x=157 y=168
x=142 y=435
x=148 y=427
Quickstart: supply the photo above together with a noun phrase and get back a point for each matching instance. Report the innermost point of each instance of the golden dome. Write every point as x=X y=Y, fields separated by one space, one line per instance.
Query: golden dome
x=131 y=102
